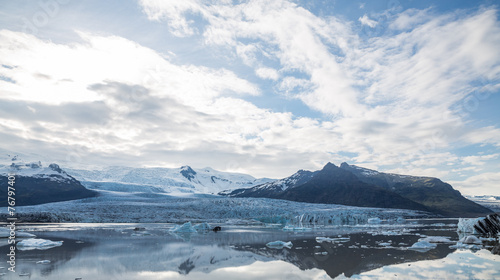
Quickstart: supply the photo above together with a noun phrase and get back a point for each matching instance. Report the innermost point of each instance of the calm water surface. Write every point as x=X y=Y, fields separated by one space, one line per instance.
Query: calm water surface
x=117 y=251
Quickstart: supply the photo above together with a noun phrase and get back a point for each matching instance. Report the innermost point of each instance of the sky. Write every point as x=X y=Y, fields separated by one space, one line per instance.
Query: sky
x=258 y=87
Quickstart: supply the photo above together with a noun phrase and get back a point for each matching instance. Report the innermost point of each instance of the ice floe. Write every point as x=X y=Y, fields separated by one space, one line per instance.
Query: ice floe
x=43 y=262
x=436 y=239
x=332 y=240
x=37 y=244
x=279 y=244
x=422 y=246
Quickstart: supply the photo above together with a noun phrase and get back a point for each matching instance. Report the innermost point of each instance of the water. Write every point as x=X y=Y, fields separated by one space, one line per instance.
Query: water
x=117 y=251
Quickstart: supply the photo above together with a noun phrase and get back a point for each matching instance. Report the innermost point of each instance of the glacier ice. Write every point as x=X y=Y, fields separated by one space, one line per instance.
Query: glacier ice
x=466 y=225
x=471 y=239
x=436 y=239
x=185 y=228
x=422 y=246
x=374 y=220
x=37 y=244
x=203 y=227
x=280 y=244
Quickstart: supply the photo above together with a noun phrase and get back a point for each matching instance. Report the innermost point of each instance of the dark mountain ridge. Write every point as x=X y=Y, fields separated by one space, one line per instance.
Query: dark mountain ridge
x=357 y=186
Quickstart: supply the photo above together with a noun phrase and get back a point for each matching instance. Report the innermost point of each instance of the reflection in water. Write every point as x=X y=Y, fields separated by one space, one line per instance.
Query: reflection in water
x=119 y=252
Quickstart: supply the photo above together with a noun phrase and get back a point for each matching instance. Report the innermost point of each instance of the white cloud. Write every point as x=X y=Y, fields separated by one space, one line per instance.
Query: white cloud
x=478 y=160
x=365 y=20
x=128 y=101
x=485 y=183
x=267 y=73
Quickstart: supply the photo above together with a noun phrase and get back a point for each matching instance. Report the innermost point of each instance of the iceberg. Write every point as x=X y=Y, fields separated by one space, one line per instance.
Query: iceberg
x=436 y=239
x=203 y=227
x=332 y=240
x=422 y=246
x=471 y=239
x=37 y=244
x=43 y=262
x=279 y=245
x=185 y=228
x=466 y=225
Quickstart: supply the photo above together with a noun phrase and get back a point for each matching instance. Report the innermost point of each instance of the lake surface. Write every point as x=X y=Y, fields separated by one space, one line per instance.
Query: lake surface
x=117 y=251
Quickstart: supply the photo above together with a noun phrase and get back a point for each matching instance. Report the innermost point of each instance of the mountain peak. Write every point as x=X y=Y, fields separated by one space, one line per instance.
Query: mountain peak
x=329 y=166
x=188 y=172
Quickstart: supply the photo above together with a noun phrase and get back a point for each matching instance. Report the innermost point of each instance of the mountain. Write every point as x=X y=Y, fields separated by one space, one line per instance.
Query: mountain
x=356 y=186
x=439 y=197
x=163 y=180
x=35 y=184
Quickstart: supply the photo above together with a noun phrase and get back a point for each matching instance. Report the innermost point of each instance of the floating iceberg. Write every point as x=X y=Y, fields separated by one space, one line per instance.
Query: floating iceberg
x=471 y=239
x=279 y=245
x=436 y=239
x=422 y=246
x=37 y=244
x=43 y=262
x=203 y=227
x=332 y=240
x=466 y=225
x=185 y=228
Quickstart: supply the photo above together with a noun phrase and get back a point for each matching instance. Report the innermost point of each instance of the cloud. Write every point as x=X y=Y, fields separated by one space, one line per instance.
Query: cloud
x=484 y=183
x=365 y=20
x=267 y=73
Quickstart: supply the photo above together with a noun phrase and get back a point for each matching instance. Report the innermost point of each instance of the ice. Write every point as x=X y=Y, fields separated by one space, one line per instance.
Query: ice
x=374 y=221
x=468 y=242
x=43 y=262
x=466 y=225
x=332 y=240
x=37 y=244
x=203 y=227
x=471 y=239
x=279 y=245
x=185 y=228
x=436 y=239
x=422 y=246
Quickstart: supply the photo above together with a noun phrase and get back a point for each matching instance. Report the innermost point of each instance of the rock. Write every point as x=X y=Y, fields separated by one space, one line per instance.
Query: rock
x=217 y=228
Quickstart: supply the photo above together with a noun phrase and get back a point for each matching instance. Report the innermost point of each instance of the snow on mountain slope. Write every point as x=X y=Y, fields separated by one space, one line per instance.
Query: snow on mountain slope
x=170 y=180
x=35 y=170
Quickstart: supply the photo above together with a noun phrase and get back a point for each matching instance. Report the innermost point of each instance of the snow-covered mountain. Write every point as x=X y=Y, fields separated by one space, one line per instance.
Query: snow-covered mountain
x=168 y=180
x=36 y=184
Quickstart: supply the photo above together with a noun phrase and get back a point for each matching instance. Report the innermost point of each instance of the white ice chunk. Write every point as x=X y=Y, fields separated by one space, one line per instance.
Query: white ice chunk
x=37 y=244
x=43 y=262
x=471 y=239
x=279 y=245
x=436 y=239
x=332 y=240
x=422 y=246
x=186 y=227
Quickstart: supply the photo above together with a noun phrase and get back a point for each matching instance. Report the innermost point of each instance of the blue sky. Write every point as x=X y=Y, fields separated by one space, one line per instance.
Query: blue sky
x=259 y=87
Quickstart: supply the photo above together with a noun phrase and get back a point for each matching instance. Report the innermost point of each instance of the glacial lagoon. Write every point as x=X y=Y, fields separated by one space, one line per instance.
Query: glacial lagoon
x=153 y=251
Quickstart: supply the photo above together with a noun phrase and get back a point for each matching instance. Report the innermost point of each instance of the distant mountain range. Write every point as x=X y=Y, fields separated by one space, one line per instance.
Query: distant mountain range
x=357 y=186
x=35 y=184
x=346 y=185
x=164 y=180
